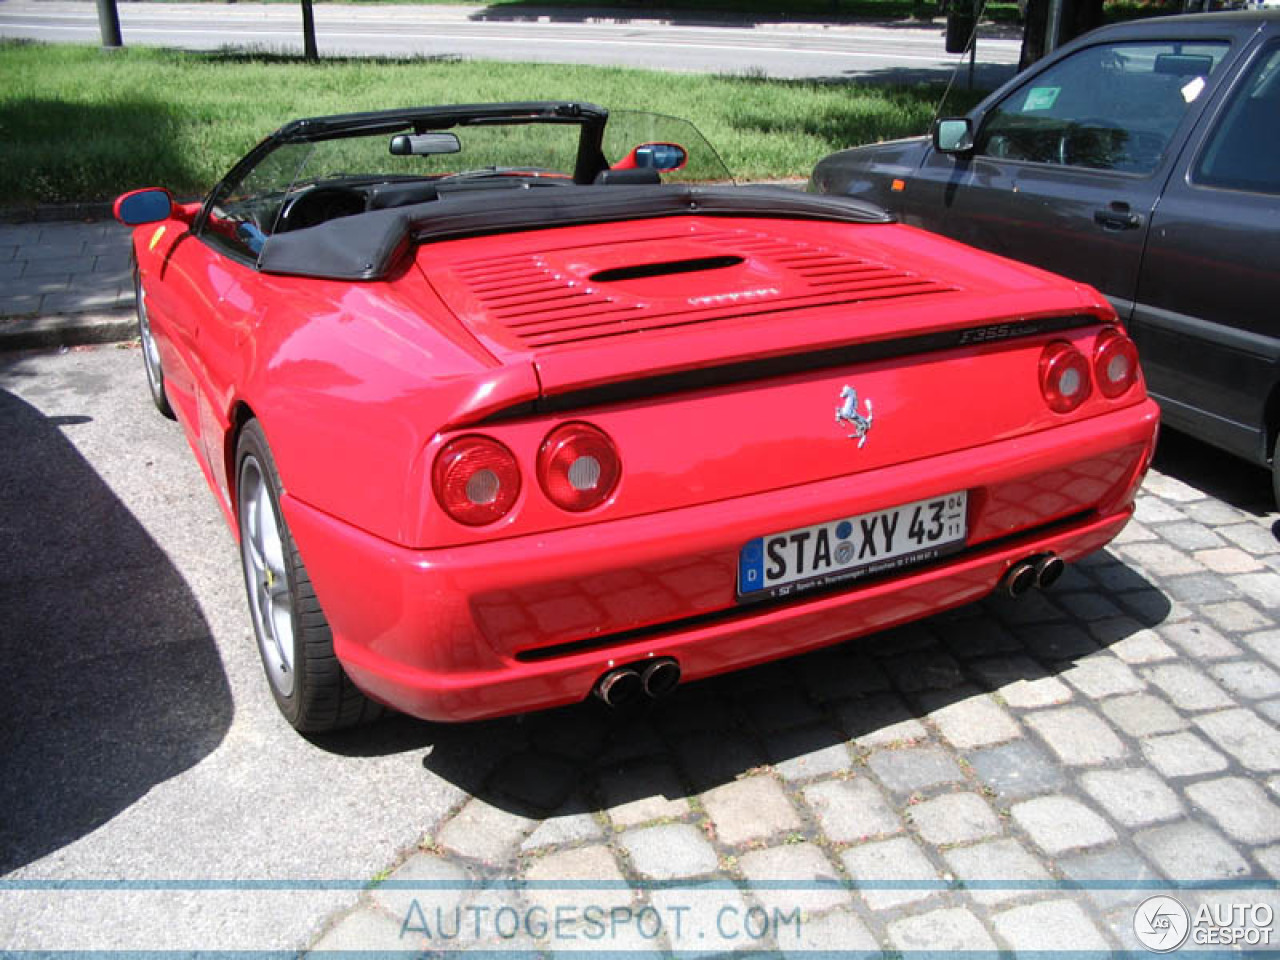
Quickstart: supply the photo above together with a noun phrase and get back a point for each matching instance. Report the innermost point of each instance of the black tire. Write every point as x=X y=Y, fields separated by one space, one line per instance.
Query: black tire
x=1275 y=471
x=309 y=685
x=150 y=353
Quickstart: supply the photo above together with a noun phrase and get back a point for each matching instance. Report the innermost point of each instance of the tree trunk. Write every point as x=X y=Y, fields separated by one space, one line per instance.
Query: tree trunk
x=1078 y=17
x=1034 y=25
x=109 y=23
x=309 y=32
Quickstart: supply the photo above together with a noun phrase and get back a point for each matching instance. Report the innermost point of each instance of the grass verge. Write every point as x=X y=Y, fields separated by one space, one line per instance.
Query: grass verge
x=79 y=124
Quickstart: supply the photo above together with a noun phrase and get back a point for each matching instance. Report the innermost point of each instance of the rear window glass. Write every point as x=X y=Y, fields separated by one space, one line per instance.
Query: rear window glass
x=1243 y=153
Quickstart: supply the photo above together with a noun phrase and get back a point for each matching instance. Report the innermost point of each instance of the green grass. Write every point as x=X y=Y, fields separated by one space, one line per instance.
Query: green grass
x=79 y=124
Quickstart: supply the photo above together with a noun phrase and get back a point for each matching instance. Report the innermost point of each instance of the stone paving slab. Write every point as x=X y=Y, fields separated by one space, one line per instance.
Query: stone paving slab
x=1009 y=776
x=63 y=268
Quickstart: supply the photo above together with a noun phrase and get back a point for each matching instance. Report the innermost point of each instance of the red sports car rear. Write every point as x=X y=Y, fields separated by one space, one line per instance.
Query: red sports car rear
x=497 y=440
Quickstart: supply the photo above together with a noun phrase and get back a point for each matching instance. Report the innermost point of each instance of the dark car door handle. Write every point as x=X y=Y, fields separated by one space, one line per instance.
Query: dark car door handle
x=1117 y=219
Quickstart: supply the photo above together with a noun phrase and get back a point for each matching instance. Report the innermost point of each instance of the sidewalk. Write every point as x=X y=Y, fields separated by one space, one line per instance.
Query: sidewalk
x=64 y=283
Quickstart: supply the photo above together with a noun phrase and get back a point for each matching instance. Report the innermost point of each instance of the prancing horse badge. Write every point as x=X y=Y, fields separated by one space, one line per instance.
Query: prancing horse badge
x=848 y=413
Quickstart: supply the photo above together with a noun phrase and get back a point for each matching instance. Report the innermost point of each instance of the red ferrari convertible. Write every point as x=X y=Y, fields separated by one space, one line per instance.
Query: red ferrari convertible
x=512 y=404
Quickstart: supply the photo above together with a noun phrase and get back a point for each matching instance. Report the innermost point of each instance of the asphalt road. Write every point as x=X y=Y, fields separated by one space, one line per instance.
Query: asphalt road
x=137 y=739
x=151 y=798
x=889 y=52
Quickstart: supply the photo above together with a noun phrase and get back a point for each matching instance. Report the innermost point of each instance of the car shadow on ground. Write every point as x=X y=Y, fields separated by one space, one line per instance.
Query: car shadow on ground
x=986 y=78
x=109 y=679
x=1220 y=475
x=815 y=712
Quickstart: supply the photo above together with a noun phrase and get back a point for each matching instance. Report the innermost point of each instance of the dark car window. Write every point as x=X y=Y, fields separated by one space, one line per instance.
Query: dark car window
x=1244 y=151
x=1108 y=107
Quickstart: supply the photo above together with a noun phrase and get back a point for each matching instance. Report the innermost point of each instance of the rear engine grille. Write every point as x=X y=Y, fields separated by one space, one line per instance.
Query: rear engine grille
x=545 y=305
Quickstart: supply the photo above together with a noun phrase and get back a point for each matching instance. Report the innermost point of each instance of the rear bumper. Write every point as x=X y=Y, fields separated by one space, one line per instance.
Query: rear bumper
x=532 y=622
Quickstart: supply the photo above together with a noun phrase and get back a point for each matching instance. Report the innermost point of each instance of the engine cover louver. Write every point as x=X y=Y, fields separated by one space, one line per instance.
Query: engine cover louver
x=561 y=297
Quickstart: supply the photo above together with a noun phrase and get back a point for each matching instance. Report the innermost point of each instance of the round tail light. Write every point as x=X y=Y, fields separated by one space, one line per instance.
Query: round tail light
x=476 y=480
x=1115 y=363
x=1064 y=377
x=578 y=467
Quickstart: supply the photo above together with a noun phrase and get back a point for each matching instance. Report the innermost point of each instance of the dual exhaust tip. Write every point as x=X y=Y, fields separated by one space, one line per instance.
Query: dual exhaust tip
x=656 y=678
x=653 y=679
x=1041 y=572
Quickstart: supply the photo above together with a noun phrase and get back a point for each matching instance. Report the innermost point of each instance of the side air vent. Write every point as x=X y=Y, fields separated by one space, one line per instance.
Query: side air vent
x=665 y=269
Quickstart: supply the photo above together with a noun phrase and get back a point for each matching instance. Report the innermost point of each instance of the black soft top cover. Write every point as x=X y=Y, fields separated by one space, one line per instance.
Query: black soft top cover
x=368 y=246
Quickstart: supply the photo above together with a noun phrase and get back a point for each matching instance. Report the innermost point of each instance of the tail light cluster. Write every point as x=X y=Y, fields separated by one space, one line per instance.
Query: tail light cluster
x=1067 y=376
x=477 y=480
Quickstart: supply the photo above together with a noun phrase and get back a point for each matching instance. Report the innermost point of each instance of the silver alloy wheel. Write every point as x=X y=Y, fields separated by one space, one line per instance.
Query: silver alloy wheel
x=150 y=352
x=265 y=574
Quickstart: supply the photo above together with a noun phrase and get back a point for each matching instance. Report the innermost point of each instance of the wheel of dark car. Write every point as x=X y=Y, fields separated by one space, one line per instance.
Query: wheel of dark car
x=150 y=352
x=1275 y=470
x=309 y=685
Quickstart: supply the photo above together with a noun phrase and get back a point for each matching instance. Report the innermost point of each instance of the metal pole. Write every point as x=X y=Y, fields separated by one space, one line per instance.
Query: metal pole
x=109 y=23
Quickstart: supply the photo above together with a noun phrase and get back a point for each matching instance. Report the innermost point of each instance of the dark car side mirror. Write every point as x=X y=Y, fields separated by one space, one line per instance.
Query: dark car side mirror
x=953 y=135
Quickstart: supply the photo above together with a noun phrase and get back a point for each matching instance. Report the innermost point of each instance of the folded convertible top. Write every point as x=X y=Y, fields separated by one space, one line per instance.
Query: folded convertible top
x=367 y=246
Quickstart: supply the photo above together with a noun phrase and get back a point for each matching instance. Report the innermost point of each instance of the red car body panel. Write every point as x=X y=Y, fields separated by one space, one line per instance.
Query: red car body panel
x=358 y=385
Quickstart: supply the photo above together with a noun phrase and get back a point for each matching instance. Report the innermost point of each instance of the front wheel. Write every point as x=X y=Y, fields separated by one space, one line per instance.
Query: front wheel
x=150 y=352
x=309 y=685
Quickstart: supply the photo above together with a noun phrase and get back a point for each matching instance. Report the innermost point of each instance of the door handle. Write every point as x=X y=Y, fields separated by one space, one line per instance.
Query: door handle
x=1118 y=216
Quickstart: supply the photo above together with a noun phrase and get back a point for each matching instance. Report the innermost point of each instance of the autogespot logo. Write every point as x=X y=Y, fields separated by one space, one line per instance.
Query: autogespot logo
x=1161 y=924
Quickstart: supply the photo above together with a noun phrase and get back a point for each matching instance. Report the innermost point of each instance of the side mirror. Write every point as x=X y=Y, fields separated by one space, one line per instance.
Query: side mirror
x=149 y=205
x=654 y=156
x=953 y=135
x=424 y=144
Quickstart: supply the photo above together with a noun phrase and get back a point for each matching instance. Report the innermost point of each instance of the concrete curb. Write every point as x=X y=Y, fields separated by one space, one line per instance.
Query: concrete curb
x=66 y=330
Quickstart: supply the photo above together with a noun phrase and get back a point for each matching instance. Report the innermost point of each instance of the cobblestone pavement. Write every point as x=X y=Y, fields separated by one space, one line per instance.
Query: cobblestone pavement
x=1013 y=775
x=64 y=267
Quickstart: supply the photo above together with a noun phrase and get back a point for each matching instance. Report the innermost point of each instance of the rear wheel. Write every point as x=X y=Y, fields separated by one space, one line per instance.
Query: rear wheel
x=150 y=352
x=309 y=685
x=1275 y=470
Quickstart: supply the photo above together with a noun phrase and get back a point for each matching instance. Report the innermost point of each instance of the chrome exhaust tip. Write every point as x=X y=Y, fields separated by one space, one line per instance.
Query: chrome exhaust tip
x=1020 y=578
x=619 y=687
x=660 y=677
x=1049 y=570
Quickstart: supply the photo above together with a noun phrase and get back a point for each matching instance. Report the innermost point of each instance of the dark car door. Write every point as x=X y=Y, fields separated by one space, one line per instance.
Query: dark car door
x=1067 y=166
x=1207 y=318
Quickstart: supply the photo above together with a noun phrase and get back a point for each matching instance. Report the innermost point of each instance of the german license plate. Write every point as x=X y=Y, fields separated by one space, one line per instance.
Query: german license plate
x=796 y=561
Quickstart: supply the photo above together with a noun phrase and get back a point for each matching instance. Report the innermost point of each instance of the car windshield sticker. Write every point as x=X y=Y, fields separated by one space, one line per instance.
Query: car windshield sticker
x=1193 y=90
x=1041 y=98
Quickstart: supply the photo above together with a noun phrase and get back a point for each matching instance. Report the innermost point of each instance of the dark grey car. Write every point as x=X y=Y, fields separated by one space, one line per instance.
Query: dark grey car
x=1144 y=159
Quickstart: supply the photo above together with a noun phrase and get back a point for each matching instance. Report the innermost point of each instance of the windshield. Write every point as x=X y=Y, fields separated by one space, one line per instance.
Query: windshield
x=629 y=128
x=302 y=181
